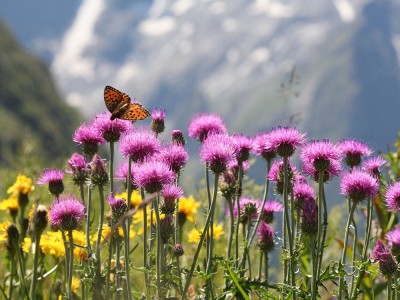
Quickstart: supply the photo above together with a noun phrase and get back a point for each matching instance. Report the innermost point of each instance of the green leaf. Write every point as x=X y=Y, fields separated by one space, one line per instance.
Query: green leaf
x=235 y=280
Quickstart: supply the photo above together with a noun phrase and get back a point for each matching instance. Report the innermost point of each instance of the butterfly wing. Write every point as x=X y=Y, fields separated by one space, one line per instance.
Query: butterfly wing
x=135 y=112
x=114 y=99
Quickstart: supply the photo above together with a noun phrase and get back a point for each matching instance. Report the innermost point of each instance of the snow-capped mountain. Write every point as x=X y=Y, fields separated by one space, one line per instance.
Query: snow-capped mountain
x=230 y=57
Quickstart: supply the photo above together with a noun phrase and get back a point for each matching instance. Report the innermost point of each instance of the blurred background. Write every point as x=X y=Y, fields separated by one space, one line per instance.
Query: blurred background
x=330 y=67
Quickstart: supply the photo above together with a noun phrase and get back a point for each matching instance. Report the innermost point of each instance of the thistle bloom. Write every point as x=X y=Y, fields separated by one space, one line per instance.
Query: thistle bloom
x=302 y=192
x=177 y=138
x=393 y=238
x=55 y=180
x=153 y=175
x=204 y=125
x=321 y=156
x=174 y=156
x=177 y=250
x=139 y=144
x=309 y=218
x=121 y=173
x=41 y=219
x=387 y=263
x=217 y=152
x=66 y=212
x=270 y=207
x=265 y=237
x=392 y=197
x=248 y=209
x=353 y=151
x=118 y=206
x=276 y=174
x=79 y=169
x=166 y=228
x=98 y=174
x=111 y=130
x=263 y=147
x=373 y=165
x=243 y=145
x=157 y=123
x=88 y=138
x=285 y=140
x=170 y=193
x=358 y=185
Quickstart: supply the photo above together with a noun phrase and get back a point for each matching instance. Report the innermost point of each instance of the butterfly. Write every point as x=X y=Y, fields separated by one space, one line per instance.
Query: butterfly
x=120 y=106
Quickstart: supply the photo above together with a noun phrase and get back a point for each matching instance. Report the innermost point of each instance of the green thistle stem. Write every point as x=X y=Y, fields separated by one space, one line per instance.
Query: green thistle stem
x=321 y=194
x=266 y=266
x=125 y=228
x=289 y=233
x=89 y=206
x=35 y=266
x=66 y=255
x=158 y=252
x=117 y=259
x=238 y=194
x=210 y=240
x=146 y=278
x=346 y=236
x=110 y=253
x=99 y=230
x=231 y=228
x=260 y=266
x=12 y=272
x=71 y=263
x=202 y=236
x=111 y=170
x=313 y=261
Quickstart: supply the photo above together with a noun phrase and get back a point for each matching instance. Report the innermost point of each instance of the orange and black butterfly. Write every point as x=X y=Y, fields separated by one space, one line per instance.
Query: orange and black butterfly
x=120 y=106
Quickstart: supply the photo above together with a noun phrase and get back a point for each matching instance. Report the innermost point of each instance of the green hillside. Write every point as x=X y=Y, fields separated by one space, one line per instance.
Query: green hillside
x=32 y=113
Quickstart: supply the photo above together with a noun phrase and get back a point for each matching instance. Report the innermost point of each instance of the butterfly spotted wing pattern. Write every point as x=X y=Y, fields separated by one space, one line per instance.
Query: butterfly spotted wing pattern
x=120 y=106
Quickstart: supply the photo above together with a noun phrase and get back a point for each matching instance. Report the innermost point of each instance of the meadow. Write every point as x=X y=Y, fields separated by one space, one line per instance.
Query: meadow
x=96 y=230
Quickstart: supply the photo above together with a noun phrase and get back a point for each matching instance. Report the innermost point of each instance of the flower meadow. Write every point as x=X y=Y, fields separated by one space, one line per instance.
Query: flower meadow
x=129 y=231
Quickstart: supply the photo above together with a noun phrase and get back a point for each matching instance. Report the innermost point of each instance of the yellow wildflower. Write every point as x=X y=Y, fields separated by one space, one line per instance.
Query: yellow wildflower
x=136 y=199
x=187 y=209
x=3 y=230
x=10 y=204
x=26 y=244
x=194 y=234
x=23 y=185
x=52 y=243
x=75 y=286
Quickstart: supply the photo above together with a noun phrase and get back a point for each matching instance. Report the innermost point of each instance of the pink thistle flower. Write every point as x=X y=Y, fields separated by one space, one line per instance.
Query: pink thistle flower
x=387 y=263
x=285 y=140
x=204 y=125
x=309 y=218
x=177 y=250
x=265 y=237
x=170 y=193
x=276 y=174
x=353 y=151
x=358 y=185
x=233 y=166
x=55 y=180
x=248 y=209
x=302 y=192
x=217 y=152
x=153 y=176
x=157 y=123
x=243 y=145
x=175 y=156
x=121 y=173
x=79 y=169
x=118 y=206
x=139 y=145
x=270 y=207
x=263 y=146
x=88 y=138
x=98 y=174
x=373 y=165
x=66 y=212
x=392 y=197
x=111 y=130
x=321 y=156
x=393 y=238
x=178 y=138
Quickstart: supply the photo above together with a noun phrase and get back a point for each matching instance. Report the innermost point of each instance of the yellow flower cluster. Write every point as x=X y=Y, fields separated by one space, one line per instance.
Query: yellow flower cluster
x=3 y=231
x=188 y=208
x=106 y=234
x=194 y=234
x=23 y=185
x=11 y=205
